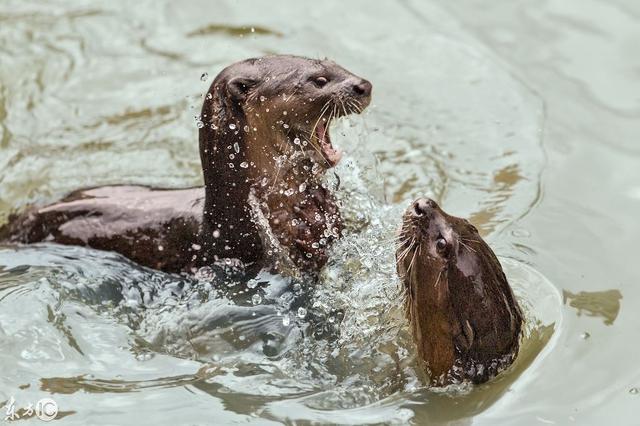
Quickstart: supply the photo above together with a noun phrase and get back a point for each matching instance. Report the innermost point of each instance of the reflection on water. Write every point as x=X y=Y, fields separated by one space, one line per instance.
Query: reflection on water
x=602 y=304
x=233 y=31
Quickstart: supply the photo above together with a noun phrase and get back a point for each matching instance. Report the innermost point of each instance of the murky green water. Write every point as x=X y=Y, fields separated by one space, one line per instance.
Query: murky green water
x=521 y=115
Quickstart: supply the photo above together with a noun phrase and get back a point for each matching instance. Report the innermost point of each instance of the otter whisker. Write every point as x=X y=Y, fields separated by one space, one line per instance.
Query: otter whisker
x=415 y=252
x=355 y=104
x=344 y=109
x=407 y=249
x=293 y=93
x=437 y=283
x=358 y=105
x=401 y=256
x=404 y=254
x=313 y=134
x=328 y=121
x=399 y=241
x=395 y=239
x=323 y=110
x=464 y=245
x=402 y=244
x=468 y=240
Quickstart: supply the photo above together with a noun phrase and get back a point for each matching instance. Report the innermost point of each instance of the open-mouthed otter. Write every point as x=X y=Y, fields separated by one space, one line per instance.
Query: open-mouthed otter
x=264 y=148
x=464 y=317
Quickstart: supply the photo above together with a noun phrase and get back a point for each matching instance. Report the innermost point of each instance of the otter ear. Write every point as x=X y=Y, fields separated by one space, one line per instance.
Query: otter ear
x=239 y=87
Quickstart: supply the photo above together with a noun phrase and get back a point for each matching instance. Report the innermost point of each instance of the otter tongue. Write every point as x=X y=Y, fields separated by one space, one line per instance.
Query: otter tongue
x=331 y=154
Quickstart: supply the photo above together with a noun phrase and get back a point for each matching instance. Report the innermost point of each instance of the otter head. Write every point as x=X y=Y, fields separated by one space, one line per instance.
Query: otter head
x=280 y=106
x=265 y=130
x=291 y=101
x=465 y=320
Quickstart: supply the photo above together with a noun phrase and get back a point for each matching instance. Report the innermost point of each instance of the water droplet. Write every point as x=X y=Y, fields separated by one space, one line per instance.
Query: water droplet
x=145 y=356
x=315 y=245
x=302 y=312
x=160 y=248
x=216 y=233
x=296 y=141
x=209 y=96
x=253 y=283
x=200 y=124
x=204 y=76
x=634 y=391
x=231 y=166
x=286 y=320
x=205 y=274
x=196 y=246
x=585 y=335
x=289 y=192
x=285 y=125
x=262 y=99
x=284 y=112
x=232 y=156
x=246 y=128
x=241 y=338
x=232 y=126
x=244 y=165
x=302 y=187
x=256 y=299
x=253 y=30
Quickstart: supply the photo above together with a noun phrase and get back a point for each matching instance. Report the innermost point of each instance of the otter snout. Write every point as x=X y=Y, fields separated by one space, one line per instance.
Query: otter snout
x=361 y=88
x=423 y=207
x=358 y=90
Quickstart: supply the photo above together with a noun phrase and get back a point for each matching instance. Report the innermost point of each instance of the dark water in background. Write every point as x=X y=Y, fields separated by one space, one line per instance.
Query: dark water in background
x=521 y=115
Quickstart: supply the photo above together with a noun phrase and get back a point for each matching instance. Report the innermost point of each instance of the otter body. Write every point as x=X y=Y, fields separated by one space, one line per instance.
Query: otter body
x=159 y=228
x=464 y=317
x=264 y=137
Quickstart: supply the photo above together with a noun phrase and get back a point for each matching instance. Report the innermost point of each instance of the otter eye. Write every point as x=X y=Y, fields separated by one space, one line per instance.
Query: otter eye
x=320 y=81
x=441 y=244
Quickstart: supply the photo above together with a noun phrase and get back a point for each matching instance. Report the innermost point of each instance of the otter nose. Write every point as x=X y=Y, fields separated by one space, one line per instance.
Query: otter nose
x=422 y=206
x=362 y=88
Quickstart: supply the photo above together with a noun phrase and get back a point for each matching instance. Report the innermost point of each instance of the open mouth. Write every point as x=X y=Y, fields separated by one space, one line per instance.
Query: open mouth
x=331 y=155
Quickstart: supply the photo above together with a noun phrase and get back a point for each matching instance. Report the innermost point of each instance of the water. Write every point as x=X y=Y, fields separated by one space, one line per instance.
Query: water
x=522 y=116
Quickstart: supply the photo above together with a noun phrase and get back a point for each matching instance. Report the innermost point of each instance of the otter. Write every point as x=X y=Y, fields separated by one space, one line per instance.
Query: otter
x=463 y=315
x=264 y=147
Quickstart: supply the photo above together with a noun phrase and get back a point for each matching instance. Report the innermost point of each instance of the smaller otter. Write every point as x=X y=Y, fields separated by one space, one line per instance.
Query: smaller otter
x=464 y=317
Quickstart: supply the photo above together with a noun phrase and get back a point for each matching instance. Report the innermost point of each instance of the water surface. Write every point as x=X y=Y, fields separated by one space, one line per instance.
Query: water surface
x=522 y=116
